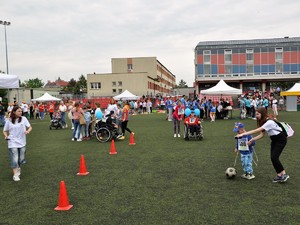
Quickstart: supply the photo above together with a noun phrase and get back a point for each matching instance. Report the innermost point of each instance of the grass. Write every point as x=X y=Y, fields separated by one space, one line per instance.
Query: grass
x=160 y=180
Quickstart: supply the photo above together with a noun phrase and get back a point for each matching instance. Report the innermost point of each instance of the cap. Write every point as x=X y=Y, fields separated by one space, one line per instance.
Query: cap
x=238 y=126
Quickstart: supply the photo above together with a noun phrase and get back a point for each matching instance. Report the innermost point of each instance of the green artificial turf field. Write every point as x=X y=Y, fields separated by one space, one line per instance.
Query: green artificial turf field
x=160 y=180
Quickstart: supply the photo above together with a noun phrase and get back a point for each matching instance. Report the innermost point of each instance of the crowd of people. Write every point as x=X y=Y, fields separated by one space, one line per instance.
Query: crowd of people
x=249 y=104
x=15 y=120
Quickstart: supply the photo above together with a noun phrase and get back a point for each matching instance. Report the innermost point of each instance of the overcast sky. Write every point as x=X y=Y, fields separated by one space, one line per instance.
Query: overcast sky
x=66 y=38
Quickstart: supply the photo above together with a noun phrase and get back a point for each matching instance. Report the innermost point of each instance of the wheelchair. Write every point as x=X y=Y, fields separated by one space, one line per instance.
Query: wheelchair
x=197 y=134
x=105 y=132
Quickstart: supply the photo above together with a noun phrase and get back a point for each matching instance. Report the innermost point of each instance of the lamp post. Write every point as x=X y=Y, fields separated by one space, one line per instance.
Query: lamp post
x=5 y=23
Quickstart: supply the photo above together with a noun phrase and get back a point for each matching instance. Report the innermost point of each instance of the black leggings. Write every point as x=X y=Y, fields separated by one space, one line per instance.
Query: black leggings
x=277 y=145
x=124 y=127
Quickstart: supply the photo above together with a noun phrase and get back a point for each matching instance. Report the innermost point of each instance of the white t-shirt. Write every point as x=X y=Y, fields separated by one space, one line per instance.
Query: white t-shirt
x=271 y=128
x=16 y=131
x=62 y=108
x=110 y=107
x=24 y=107
x=274 y=102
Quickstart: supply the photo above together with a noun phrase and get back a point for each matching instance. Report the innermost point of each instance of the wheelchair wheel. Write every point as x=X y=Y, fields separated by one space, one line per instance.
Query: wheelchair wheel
x=200 y=135
x=103 y=134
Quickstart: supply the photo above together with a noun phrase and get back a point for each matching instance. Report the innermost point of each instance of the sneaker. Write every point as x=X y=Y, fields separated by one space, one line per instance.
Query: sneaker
x=119 y=136
x=244 y=176
x=250 y=176
x=280 y=179
x=178 y=135
x=73 y=139
x=79 y=139
x=174 y=135
x=122 y=138
x=72 y=128
x=18 y=173
x=16 y=178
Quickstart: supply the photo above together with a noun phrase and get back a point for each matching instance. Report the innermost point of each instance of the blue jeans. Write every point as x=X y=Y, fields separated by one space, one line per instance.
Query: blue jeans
x=77 y=126
x=17 y=156
x=42 y=115
x=63 y=118
x=247 y=163
x=2 y=118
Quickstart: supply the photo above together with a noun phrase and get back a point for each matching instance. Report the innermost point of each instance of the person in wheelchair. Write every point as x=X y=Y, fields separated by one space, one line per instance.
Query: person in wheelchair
x=193 y=126
x=111 y=121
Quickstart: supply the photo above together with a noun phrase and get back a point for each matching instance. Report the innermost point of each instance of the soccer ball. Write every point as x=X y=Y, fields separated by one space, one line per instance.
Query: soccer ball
x=230 y=173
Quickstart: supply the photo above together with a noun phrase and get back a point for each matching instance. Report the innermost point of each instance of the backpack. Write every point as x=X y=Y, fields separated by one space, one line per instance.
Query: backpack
x=286 y=128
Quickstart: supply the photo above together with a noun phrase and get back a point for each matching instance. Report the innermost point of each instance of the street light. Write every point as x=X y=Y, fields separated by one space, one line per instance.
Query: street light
x=5 y=23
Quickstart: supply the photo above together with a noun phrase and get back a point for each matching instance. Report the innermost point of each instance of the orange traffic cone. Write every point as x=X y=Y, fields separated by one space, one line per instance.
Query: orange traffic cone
x=82 y=167
x=131 y=139
x=63 y=201
x=113 y=150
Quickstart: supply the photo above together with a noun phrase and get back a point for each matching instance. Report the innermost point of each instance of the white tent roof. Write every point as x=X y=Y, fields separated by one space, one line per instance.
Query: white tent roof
x=9 y=81
x=293 y=91
x=126 y=95
x=221 y=88
x=46 y=98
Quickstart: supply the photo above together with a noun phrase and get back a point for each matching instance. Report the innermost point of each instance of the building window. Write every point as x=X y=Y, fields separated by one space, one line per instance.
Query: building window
x=207 y=69
x=120 y=83
x=206 y=54
x=114 y=91
x=129 y=67
x=228 y=56
x=278 y=53
x=228 y=69
x=249 y=68
x=279 y=67
x=114 y=83
x=278 y=59
x=120 y=91
x=96 y=85
x=249 y=53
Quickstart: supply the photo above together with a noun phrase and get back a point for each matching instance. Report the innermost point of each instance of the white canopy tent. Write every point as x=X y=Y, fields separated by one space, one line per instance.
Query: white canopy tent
x=292 y=97
x=46 y=98
x=221 y=88
x=126 y=95
x=9 y=81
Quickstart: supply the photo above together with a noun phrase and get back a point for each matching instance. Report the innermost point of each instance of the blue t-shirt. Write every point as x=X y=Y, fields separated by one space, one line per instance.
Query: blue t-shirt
x=266 y=103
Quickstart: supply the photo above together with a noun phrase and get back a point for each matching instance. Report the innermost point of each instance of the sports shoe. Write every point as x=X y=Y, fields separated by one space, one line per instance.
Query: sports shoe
x=244 y=176
x=122 y=138
x=178 y=135
x=174 y=135
x=79 y=139
x=119 y=136
x=16 y=178
x=281 y=179
x=250 y=176
x=73 y=139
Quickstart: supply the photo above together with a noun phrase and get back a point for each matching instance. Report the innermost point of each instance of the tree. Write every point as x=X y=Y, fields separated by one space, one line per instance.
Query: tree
x=285 y=85
x=34 y=83
x=82 y=83
x=182 y=84
x=71 y=85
